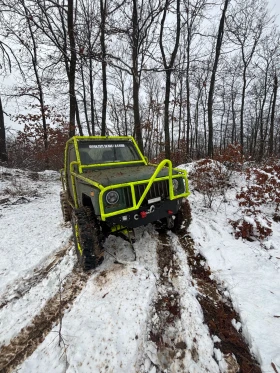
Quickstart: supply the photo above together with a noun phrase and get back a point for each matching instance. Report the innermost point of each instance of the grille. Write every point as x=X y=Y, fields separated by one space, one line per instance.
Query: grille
x=158 y=189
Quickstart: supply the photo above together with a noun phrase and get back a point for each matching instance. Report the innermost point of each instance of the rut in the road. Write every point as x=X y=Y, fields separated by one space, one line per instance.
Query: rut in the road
x=25 y=343
x=218 y=311
x=22 y=286
x=166 y=318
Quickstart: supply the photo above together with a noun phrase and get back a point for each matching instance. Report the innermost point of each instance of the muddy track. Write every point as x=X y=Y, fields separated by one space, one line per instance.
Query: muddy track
x=22 y=286
x=166 y=315
x=218 y=313
x=25 y=343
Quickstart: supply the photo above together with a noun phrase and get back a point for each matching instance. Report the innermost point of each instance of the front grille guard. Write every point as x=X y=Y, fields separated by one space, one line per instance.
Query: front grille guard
x=136 y=203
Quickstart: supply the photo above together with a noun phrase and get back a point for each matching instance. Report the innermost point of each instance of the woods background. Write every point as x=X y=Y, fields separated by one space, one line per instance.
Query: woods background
x=185 y=77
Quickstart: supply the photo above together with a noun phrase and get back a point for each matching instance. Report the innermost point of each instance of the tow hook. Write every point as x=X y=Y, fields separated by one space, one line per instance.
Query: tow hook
x=170 y=221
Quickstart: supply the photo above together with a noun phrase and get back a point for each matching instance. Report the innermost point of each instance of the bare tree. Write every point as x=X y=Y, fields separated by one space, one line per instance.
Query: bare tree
x=213 y=78
x=271 y=131
x=168 y=66
x=137 y=25
x=3 y=150
x=246 y=23
x=192 y=15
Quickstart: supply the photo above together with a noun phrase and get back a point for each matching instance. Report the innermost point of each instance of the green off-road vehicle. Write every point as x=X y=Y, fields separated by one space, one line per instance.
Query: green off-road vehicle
x=109 y=187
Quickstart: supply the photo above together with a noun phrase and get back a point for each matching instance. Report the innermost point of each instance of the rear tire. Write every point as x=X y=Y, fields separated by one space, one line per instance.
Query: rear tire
x=86 y=237
x=65 y=208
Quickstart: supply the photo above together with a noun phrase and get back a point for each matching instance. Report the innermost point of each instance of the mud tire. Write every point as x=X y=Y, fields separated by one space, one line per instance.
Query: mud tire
x=65 y=208
x=183 y=217
x=87 y=238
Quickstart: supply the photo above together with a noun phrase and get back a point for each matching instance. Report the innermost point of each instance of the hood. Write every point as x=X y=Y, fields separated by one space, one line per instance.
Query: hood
x=119 y=175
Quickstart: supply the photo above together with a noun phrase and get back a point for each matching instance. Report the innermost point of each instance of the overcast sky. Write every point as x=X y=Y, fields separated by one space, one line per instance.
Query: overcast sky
x=274 y=5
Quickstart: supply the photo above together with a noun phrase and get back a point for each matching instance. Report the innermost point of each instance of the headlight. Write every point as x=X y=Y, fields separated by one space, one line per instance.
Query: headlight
x=112 y=197
x=175 y=183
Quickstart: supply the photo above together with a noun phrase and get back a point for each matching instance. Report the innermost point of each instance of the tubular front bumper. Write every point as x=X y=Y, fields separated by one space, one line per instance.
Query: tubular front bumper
x=137 y=205
x=145 y=215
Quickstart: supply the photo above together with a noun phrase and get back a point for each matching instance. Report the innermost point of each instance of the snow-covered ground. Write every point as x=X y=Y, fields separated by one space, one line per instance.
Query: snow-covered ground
x=248 y=271
x=106 y=329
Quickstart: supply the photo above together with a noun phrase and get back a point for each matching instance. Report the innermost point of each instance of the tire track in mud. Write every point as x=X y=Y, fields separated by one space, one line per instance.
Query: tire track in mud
x=218 y=313
x=166 y=324
x=20 y=287
x=166 y=314
x=25 y=343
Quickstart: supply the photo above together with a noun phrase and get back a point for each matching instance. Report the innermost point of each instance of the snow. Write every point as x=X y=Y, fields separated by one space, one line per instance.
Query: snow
x=249 y=273
x=101 y=338
x=31 y=227
x=106 y=329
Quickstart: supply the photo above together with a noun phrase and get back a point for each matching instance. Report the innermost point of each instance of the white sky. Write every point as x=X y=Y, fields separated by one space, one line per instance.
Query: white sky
x=274 y=5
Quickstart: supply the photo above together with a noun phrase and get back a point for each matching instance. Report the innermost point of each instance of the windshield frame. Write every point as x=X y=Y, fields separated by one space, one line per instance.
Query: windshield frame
x=103 y=141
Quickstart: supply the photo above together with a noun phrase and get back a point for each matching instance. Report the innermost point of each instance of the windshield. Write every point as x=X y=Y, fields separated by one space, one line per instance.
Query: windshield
x=93 y=152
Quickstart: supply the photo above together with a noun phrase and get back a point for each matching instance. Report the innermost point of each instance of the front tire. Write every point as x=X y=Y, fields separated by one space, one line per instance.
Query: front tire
x=86 y=238
x=65 y=208
x=183 y=217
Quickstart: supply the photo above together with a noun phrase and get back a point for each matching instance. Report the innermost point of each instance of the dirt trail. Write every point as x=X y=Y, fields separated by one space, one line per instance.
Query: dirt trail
x=219 y=313
x=217 y=310
x=22 y=286
x=166 y=316
x=165 y=320
x=25 y=343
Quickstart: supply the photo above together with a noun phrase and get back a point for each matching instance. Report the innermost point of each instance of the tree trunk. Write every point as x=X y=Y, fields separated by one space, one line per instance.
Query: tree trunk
x=3 y=150
x=85 y=100
x=168 y=71
x=213 y=79
x=136 y=113
x=271 y=131
x=91 y=98
x=188 y=90
x=136 y=78
x=103 y=10
x=166 y=114
x=72 y=67
x=242 y=111
x=78 y=119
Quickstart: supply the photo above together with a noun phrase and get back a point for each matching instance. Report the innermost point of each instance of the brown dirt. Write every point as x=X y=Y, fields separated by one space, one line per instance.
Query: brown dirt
x=218 y=312
x=167 y=310
x=25 y=343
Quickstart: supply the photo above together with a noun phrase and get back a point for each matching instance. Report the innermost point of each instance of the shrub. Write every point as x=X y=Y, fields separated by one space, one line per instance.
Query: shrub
x=28 y=149
x=210 y=178
x=231 y=157
x=252 y=226
x=262 y=191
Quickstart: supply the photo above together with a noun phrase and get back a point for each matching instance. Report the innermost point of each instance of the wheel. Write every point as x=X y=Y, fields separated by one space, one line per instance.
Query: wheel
x=65 y=208
x=87 y=238
x=182 y=216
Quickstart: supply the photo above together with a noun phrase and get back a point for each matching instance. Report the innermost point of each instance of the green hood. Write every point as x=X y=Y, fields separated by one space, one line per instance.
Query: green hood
x=120 y=175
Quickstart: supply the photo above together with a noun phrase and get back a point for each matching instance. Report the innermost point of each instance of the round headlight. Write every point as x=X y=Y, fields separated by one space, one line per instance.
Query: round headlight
x=112 y=197
x=175 y=184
